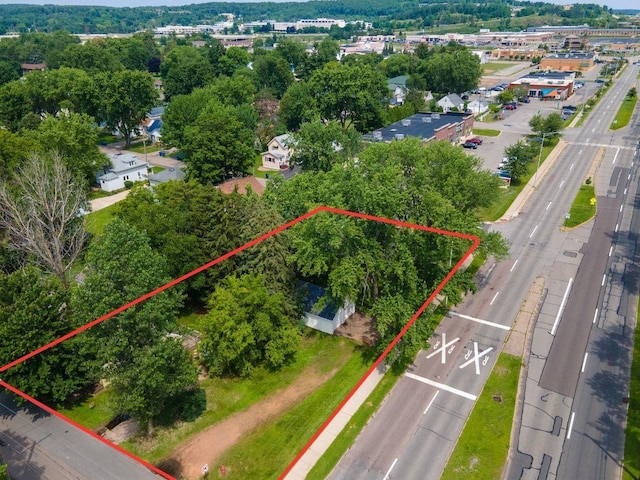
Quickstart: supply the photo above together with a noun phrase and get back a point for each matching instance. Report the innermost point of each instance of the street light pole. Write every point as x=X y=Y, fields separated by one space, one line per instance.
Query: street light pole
x=535 y=179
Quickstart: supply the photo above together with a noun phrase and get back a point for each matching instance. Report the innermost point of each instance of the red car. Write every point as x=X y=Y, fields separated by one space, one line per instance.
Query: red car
x=509 y=107
x=476 y=140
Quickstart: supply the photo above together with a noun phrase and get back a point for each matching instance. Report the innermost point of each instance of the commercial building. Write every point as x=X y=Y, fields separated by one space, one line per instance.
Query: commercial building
x=547 y=85
x=569 y=61
x=452 y=126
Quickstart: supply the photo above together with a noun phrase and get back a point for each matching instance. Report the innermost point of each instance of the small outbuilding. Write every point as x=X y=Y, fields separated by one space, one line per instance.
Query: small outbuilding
x=331 y=316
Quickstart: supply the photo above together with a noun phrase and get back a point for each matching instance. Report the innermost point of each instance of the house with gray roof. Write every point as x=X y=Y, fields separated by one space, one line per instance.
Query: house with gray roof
x=124 y=167
x=278 y=154
x=166 y=175
x=450 y=102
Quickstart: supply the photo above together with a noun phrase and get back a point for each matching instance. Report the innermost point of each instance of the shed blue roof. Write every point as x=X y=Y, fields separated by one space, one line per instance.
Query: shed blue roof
x=314 y=293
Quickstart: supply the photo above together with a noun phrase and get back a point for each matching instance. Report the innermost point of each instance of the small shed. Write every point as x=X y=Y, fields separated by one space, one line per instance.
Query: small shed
x=331 y=316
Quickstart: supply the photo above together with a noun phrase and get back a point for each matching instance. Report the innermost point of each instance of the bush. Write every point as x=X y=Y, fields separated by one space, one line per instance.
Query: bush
x=128 y=184
x=588 y=181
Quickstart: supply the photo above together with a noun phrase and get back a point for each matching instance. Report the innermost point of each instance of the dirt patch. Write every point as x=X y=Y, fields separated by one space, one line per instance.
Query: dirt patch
x=359 y=328
x=209 y=445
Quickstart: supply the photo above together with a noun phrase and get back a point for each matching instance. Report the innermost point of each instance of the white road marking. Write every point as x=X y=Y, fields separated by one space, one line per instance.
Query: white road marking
x=629 y=177
x=611 y=250
x=442 y=386
x=616 y=227
x=633 y=162
x=431 y=402
x=513 y=266
x=444 y=347
x=386 y=477
x=588 y=140
x=573 y=416
x=616 y=155
x=476 y=357
x=494 y=298
x=625 y=191
x=479 y=320
x=561 y=184
x=533 y=231
x=595 y=316
x=580 y=152
x=571 y=167
x=604 y=278
x=564 y=301
x=621 y=207
x=584 y=362
x=548 y=206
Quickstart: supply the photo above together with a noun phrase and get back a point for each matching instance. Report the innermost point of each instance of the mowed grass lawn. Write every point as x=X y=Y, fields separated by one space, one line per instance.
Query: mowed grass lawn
x=98 y=219
x=493 y=67
x=285 y=435
x=481 y=451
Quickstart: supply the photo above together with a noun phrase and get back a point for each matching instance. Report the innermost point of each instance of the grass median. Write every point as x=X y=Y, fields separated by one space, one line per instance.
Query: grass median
x=582 y=208
x=631 y=463
x=482 y=448
x=624 y=112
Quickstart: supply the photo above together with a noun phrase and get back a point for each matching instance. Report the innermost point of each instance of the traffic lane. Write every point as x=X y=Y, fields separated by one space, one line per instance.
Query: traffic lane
x=595 y=445
x=561 y=370
x=428 y=451
x=44 y=446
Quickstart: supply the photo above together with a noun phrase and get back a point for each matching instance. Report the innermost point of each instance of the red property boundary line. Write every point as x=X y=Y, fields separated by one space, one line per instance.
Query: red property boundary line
x=475 y=242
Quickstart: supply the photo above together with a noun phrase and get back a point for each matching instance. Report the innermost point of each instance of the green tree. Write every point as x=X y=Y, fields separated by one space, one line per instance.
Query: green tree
x=125 y=98
x=352 y=95
x=451 y=68
x=272 y=72
x=324 y=52
x=234 y=59
x=120 y=267
x=33 y=312
x=246 y=327
x=293 y=51
x=14 y=150
x=318 y=146
x=8 y=72
x=15 y=104
x=93 y=57
x=184 y=69
x=505 y=96
x=396 y=65
x=297 y=106
x=519 y=155
x=157 y=378
x=547 y=127
x=218 y=145
x=75 y=137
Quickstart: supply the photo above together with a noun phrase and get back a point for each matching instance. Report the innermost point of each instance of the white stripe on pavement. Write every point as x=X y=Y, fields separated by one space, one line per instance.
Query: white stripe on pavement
x=479 y=320
x=442 y=386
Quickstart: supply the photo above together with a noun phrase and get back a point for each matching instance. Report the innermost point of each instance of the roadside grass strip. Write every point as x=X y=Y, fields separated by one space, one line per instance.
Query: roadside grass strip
x=624 y=113
x=482 y=448
x=581 y=209
x=631 y=463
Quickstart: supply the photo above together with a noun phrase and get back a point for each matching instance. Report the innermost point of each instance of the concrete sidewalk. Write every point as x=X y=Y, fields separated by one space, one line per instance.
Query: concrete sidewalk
x=100 y=203
x=337 y=424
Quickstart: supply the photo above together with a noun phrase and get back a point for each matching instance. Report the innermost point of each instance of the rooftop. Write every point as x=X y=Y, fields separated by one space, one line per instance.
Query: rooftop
x=421 y=125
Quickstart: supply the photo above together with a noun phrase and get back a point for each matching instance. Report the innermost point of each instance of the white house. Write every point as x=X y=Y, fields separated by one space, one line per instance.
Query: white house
x=124 y=167
x=451 y=101
x=330 y=317
x=478 y=106
x=278 y=154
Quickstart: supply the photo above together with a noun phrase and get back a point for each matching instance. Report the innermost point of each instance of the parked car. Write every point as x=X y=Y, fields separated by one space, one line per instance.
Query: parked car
x=475 y=91
x=465 y=97
x=503 y=163
x=571 y=108
x=515 y=104
x=509 y=107
x=524 y=100
x=469 y=145
x=476 y=140
x=599 y=80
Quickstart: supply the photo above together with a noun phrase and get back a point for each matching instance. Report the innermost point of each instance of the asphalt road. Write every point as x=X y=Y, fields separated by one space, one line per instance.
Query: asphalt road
x=39 y=446
x=414 y=431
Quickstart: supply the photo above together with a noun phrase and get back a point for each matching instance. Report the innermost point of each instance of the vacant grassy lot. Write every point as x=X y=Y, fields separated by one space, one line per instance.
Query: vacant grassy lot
x=482 y=448
x=493 y=67
x=93 y=412
x=225 y=396
x=624 y=113
x=581 y=209
x=139 y=147
x=631 y=470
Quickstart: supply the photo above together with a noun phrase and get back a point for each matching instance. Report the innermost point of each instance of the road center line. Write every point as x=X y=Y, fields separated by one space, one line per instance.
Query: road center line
x=386 y=477
x=571 y=167
x=442 y=386
x=548 y=206
x=580 y=152
x=494 y=298
x=561 y=184
x=513 y=266
x=533 y=231
x=584 y=363
x=479 y=320
x=431 y=402
x=564 y=301
x=595 y=316
x=588 y=140
x=573 y=416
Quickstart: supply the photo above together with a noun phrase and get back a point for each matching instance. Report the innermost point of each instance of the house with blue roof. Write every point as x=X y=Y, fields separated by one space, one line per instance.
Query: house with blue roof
x=320 y=313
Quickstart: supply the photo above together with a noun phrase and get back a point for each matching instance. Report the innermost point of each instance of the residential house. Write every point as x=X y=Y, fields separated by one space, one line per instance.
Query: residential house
x=32 y=67
x=450 y=102
x=124 y=167
x=330 y=316
x=452 y=126
x=278 y=154
x=166 y=175
x=398 y=89
x=477 y=106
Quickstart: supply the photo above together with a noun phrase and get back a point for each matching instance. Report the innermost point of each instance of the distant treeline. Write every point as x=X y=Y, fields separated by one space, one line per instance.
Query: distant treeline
x=382 y=13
